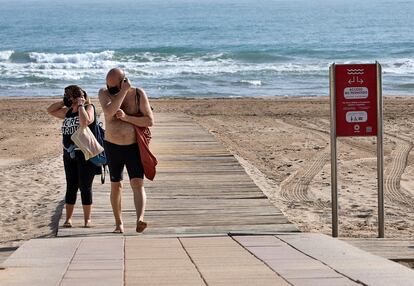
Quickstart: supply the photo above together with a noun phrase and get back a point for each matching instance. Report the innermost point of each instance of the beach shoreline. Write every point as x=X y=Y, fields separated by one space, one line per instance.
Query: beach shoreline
x=285 y=140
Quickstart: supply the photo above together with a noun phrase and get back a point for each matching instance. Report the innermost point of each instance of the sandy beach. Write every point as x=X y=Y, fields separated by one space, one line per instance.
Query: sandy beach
x=282 y=142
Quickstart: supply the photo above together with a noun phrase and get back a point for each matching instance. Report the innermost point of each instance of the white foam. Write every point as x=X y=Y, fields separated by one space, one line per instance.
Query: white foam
x=5 y=55
x=71 y=58
x=252 y=82
x=399 y=66
x=150 y=65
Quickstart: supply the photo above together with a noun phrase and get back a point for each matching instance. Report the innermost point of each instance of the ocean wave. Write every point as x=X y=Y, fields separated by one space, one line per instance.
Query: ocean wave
x=399 y=66
x=251 y=82
x=5 y=55
x=158 y=70
x=77 y=58
x=162 y=65
x=149 y=56
x=11 y=86
x=406 y=85
x=158 y=62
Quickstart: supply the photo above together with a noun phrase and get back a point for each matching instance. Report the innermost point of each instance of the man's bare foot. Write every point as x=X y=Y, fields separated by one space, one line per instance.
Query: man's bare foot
x=141 y=226
x=67 y=223
x=119 y=229
x=87 y=224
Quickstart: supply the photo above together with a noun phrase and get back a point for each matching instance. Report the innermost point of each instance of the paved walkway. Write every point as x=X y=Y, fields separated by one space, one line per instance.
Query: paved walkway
x=208 y=225
x=290 y=259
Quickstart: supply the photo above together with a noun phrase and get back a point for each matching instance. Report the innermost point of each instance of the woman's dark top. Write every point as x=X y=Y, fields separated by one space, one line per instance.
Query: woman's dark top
x=69 y=126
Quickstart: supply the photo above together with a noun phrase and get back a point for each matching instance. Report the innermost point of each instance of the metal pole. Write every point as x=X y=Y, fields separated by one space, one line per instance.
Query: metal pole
x=334 y=188
x=380 y=155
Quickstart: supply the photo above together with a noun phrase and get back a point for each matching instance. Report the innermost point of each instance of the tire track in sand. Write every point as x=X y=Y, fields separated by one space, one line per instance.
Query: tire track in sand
x=392 y=174
x=295 y=187
x=393 y=191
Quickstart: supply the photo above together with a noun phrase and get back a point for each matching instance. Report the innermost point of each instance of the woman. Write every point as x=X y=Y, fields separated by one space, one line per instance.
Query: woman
x=75 y=110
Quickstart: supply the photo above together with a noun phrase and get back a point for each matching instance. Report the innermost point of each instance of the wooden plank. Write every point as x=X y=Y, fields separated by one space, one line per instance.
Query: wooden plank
x=399 y=249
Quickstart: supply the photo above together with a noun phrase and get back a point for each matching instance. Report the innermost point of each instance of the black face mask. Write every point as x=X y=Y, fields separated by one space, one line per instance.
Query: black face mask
x=113 y=90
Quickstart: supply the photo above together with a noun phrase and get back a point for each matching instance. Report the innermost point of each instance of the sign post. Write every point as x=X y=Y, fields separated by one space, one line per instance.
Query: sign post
x=356 y=110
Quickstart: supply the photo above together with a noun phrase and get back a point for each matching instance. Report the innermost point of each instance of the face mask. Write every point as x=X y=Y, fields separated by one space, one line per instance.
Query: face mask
x=113 y=90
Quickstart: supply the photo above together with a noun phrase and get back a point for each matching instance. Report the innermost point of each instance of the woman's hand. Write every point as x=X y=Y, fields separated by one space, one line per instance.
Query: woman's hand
x=80 y=101
x=120 y=114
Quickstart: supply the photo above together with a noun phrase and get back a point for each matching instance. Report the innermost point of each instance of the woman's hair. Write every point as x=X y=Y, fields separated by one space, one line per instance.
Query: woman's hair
x=74 y=91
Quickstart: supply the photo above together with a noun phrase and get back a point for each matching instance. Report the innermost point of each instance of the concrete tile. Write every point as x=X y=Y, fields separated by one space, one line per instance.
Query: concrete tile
x=201 y=242
x=98 y=256
x=218 y=253
x=35 y=262
x=165 y=272
x=352 y=262
x=100 y=275
x=133 y=242
x=274 y=253
x=323 y=282
x=160 y=262
x=274 y=281
x=91 y=282
x=164 y=281
x=309 y=273
x=47 y=248
x=97 y=264
x=167 y=283
x=148 y=254
x=248 y=260
x=31 y=276
x=256 y=240
x=295 y=264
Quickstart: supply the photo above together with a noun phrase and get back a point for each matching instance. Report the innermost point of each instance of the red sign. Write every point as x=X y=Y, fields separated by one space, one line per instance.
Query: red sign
x=356 y=99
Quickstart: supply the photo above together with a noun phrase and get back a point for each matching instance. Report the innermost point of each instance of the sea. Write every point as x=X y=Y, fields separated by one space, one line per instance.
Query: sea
x=202 y=48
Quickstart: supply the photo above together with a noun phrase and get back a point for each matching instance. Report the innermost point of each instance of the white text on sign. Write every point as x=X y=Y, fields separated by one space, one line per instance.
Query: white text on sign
x=356 y=92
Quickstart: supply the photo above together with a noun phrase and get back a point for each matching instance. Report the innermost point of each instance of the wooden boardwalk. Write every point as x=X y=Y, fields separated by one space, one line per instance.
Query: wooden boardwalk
x=398 y=249
x=200 y=188
x=209 y=224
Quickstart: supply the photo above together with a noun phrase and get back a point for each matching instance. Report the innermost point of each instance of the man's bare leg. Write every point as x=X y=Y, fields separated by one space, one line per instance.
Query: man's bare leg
x=69 y=214
x=116 y=202
x=140 y=200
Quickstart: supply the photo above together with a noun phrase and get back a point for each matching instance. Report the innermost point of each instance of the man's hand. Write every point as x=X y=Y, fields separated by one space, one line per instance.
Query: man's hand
x=120 y=114
x=125 y=85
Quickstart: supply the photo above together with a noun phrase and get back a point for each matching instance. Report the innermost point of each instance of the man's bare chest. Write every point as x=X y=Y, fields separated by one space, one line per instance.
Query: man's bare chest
x=130 y=104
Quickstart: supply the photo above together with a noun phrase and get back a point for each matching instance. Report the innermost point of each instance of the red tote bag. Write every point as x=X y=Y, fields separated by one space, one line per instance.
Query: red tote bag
x=148 y=160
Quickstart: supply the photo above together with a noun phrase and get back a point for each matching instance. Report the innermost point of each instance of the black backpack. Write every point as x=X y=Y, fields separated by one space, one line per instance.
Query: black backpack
x=100 y=160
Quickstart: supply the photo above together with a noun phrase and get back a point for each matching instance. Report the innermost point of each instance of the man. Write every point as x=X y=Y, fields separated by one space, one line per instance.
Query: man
x=120 y=103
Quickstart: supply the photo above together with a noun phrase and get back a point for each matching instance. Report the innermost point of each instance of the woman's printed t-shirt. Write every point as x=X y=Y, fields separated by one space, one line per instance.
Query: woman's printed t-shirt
x=69 y=126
